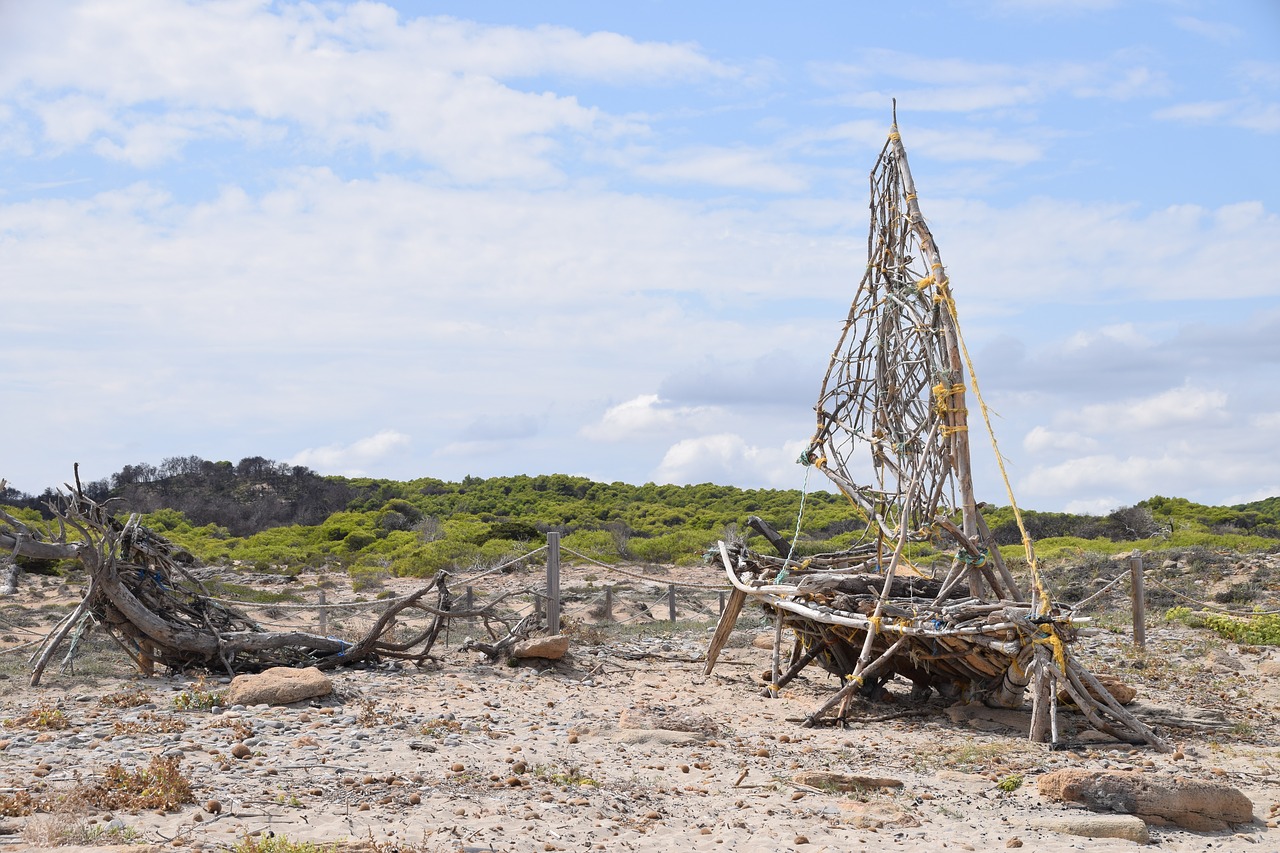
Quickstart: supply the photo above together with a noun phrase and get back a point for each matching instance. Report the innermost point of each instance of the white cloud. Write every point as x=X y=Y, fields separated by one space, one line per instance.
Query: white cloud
x=1092 y=506
x=944 y=83
x=724 y=167
x=726 y=458
x=1127 y=334
x=264 y=225
x=1041 y=439
x=1257 y=494
x=352 y=459
x=1076 y=253
x=1217 y=31
x=1243 y=113
x=646 y=415
x=343 y=74
x=1106 y=473
x=1176 y=408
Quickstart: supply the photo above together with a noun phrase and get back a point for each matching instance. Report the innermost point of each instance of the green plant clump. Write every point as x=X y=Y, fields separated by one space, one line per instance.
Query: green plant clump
x=1262 y=629
x=198 y=697
x=1010 y=783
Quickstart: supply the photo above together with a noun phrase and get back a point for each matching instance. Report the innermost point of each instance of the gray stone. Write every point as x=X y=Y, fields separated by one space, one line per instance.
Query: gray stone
x=1128 y=827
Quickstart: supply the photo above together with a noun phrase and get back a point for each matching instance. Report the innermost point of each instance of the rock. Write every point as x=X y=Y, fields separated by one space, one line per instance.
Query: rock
x=1128 y=827
x=1122 y=692
x=1270 y=668
x=671 y=719
x=280 y=685
x=545 y=648
x=843 y=781
x=763 y=641
x=1198 y=806
x=1226 y=660
x=241 y=751
x=986 y=719
x=647 y=736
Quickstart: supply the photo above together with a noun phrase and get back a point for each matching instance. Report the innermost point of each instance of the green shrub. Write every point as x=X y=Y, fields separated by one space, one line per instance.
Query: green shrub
x=1260 y=630
x=358 y=539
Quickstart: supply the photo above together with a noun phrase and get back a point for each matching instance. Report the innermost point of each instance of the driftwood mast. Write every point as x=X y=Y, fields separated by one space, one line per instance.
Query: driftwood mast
x=893 y=436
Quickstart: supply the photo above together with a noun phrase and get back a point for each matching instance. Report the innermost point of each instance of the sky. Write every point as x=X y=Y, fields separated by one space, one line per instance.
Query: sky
x=618 y=240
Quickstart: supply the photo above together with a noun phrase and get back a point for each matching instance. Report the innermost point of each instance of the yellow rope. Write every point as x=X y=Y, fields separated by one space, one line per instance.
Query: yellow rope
x=1055 y=642
x=940 y=394
x=1032 y=563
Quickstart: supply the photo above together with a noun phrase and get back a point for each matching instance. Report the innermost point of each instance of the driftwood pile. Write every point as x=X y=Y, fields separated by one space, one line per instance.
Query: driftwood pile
x=140 y=593
x=893 y=436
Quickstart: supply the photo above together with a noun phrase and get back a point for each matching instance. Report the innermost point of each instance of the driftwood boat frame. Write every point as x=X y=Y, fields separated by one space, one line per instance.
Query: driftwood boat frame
x=893 y=436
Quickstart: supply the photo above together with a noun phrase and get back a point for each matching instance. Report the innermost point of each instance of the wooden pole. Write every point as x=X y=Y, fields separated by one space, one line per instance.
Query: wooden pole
x=553 y=582
x=469 y=602
x=146 y=657
x=608 y=602
x=324 y=615
x=671 y=602
x=1137 y=589
x=721 y=595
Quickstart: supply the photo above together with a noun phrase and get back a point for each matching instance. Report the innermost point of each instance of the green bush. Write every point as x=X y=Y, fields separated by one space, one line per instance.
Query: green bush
x=598 y=544
x=358 y=539
x=1260 y=630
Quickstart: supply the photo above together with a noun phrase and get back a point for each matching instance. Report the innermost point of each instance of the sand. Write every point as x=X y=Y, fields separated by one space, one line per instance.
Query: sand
x=623 y=745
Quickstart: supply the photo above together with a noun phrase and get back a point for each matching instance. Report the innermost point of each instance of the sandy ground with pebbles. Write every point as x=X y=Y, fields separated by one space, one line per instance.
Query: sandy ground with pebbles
x=624 y=745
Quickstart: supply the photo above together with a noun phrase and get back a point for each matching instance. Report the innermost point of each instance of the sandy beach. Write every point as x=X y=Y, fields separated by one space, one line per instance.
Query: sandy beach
x=624 y=744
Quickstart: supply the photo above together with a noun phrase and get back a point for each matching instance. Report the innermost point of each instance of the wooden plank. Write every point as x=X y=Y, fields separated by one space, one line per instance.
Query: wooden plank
x=728 y=618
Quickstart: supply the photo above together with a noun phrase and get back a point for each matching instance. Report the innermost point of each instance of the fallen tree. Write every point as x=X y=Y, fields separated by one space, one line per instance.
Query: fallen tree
x=159 y=613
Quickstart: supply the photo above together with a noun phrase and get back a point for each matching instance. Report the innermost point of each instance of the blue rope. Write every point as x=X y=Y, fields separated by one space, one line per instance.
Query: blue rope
x=804 y=491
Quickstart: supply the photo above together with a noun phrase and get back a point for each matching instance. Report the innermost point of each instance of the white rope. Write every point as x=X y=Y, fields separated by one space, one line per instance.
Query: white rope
x=645 y=578
x=499 y=567
x=1216 y=607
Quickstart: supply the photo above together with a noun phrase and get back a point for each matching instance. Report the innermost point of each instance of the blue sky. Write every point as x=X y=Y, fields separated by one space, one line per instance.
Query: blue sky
x=617 y=240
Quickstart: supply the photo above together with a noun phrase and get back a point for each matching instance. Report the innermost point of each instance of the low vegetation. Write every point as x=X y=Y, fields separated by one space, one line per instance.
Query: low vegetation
x=1262 y=629
x=265 y=516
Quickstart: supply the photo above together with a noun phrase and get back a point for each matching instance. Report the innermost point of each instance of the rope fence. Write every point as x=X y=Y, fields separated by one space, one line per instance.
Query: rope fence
x=547 y=601
x=549 y=605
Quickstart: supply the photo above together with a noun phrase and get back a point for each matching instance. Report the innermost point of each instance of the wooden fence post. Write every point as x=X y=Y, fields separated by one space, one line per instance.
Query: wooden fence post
x=553 y=582
x=608 y=602
x=1137 y=590
x=720 y=595
x=671 y=601
x=324 y=616
x=469 y=603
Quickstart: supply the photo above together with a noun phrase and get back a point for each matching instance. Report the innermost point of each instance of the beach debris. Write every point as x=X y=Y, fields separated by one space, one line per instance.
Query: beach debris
x=141 y=594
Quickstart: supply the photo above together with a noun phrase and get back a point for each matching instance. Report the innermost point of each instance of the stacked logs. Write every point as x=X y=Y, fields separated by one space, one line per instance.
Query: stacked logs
x=870 y=627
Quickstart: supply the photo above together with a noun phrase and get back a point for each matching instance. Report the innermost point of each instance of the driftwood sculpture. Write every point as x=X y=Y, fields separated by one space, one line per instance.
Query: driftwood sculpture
x=893 y=436
x=159 y=613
